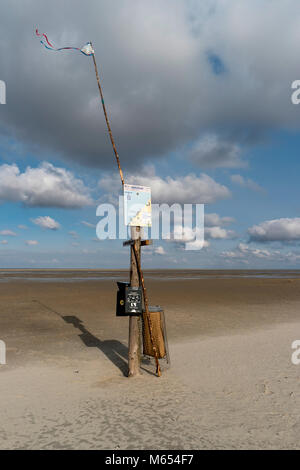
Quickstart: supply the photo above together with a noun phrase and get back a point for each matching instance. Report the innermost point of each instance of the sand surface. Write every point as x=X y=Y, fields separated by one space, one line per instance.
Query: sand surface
x=232 y=384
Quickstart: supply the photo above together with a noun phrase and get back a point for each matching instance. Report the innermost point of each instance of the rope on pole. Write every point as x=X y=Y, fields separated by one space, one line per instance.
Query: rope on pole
x=107 y=120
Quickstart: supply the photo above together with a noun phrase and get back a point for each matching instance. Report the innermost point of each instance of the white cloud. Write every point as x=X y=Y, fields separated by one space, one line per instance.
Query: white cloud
x=213 y=220
x=231 y=254
x=246 y=253
x=197 y=244
x=218 y=233
x=211 y=151
x=8 y=233
x=22 y=227
x=44 y=186
x=285 y=229
x=190 y=189
x=246 y=183
x=4 y=242
x=192 y=238
x=88 y=224
x=257 y=252
x=46 y=222
x=31 y=242
x=159 y=250
x=244 y=250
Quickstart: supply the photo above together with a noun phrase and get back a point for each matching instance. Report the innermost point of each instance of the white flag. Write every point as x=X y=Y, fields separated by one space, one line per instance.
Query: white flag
x=87 y=49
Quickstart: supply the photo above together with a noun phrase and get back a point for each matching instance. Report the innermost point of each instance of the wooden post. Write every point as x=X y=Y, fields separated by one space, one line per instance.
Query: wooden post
x=134 y=334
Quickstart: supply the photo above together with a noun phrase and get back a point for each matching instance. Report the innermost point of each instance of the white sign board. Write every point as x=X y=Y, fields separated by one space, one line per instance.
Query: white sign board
x=137 y=205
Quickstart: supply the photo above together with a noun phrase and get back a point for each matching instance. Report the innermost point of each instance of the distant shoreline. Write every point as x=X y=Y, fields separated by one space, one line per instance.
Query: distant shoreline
x=69 y=275
x=151 y=270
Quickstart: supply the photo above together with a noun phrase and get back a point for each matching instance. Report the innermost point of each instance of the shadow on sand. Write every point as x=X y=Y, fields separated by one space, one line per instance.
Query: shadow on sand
x=115 y=351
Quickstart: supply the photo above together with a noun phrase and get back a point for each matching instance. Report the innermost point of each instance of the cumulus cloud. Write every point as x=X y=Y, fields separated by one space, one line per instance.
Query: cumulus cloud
x=159 y=250
x=212 y=152
x=190 y=189
x=197 y=244
x=213 y=220
x=191 y=238
x=259 y=253
x=156 y=51
x=8 y=233
x=44 y=186
x=214 y=227
x=282 y=230
x=244 y=250
x=46 y=222
x=218 y=233
x=246 y=183
x=245 y=254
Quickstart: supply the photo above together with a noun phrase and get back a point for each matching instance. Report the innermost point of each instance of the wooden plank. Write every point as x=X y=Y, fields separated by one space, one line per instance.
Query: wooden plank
x=146 y=242
x=143 y=242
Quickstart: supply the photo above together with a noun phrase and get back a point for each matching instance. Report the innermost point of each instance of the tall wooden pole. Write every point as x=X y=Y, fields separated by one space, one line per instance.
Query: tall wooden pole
x=134 y=321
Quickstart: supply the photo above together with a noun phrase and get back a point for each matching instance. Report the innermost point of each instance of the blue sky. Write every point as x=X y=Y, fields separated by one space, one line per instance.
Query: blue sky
x=199 y=98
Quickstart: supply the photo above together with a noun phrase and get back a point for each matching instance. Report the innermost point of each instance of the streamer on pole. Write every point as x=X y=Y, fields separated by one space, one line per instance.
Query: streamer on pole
x=87 y=50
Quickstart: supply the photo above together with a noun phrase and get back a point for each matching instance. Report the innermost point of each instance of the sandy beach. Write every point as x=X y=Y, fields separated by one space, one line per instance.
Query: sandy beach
x=231 y=385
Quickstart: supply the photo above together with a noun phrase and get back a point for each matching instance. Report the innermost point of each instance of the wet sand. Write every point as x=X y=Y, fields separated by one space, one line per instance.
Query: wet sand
x=231 y=385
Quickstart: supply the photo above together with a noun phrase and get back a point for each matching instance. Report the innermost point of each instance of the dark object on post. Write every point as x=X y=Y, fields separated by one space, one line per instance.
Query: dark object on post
x=159 y=334
x=133 y=301
x=129 y=300
x=120 y=310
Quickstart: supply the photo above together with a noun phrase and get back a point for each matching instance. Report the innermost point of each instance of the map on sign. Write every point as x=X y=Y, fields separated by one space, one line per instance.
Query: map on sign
x=137 y=205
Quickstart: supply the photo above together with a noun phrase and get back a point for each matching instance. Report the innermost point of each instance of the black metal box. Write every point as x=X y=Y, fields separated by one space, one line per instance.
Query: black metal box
x=133 y=300
x=129 y=300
